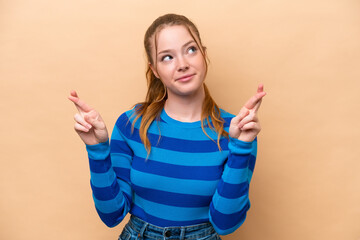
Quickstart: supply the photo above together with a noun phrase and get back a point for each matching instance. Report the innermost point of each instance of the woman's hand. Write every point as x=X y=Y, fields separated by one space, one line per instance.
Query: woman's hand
x=88 y=122
x=245 y=126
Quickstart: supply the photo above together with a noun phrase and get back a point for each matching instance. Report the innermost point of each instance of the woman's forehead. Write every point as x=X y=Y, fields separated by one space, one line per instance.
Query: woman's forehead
x=173 y=37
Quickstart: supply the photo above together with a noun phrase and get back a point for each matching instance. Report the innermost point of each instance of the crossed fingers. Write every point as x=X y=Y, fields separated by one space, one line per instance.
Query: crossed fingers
x=81 y=123
x=255 y=101
x=248 y=113
x=81 y=106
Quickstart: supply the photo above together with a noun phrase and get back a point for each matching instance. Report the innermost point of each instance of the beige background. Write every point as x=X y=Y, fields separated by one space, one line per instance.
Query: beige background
x=307 y=54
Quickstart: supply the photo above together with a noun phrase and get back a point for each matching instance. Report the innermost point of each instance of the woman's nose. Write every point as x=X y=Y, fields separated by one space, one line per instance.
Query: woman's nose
x=183 y=65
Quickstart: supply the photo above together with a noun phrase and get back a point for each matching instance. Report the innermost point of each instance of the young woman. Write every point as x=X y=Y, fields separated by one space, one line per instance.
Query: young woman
x=177 y=162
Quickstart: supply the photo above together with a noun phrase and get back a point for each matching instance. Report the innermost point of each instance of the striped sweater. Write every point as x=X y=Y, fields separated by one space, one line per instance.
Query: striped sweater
x=185 y=180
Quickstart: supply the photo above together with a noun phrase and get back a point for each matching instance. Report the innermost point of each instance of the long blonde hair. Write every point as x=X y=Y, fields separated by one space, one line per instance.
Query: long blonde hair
x=156 y=95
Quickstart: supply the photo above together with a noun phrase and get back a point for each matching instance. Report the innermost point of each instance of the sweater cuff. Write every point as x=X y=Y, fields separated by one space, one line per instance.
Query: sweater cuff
x=98 y=151
x=240 y=147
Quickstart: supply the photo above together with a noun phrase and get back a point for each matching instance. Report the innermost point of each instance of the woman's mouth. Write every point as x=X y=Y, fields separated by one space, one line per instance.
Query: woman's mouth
x=185 y=78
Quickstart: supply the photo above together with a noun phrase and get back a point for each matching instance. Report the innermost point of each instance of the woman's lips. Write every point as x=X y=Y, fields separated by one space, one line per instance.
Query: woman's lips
x=185 y=78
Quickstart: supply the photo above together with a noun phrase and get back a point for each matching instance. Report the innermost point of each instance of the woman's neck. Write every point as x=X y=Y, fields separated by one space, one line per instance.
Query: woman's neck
x=185 y=109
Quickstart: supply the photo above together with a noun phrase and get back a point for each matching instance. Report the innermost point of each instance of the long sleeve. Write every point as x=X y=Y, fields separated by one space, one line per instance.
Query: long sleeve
x=231 y=199
x=110 y=177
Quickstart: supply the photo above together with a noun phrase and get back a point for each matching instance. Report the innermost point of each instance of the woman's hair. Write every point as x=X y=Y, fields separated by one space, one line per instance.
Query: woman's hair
x=156 y=95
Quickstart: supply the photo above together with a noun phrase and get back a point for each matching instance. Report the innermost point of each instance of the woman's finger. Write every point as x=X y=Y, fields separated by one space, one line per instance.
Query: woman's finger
x=251 y=126
x=243 y=113
x=95 y=122
x=249 y=118
x=257 y=105
x=80 y=128
x=251 y=103
x=79 y=119
x=73 y=93
x=80 y=105
x=260 y=88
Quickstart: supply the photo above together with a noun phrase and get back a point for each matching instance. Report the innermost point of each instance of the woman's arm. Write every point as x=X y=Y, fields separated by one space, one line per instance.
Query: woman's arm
x=231 y=199
x=110 y=177
x=109 y=163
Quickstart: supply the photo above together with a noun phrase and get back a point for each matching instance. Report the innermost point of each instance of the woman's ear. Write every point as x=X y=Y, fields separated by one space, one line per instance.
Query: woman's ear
x=154 y=70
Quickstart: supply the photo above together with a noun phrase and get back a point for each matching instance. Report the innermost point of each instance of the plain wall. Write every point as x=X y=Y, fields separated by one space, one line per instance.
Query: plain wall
x=307 y=54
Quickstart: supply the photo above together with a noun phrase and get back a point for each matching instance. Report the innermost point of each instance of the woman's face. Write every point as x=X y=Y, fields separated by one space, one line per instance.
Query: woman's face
x=178 y=62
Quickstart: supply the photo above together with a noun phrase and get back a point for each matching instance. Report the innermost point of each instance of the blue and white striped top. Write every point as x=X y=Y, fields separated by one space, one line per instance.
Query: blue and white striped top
x=186 y=180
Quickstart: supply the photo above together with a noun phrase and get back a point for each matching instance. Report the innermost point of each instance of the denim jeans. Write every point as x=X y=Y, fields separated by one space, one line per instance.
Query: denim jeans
x=137 y=229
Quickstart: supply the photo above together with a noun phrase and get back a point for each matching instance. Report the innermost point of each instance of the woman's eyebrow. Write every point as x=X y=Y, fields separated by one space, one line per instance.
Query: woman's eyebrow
x=168 y=50
x=189 y=42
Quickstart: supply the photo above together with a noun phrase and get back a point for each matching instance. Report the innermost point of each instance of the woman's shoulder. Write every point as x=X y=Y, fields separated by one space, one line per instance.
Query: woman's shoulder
x=127 y=117
x=226 y=114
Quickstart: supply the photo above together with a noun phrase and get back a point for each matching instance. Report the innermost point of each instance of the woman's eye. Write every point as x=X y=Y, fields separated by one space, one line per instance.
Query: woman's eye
x=166 y=58
x=192 y=49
